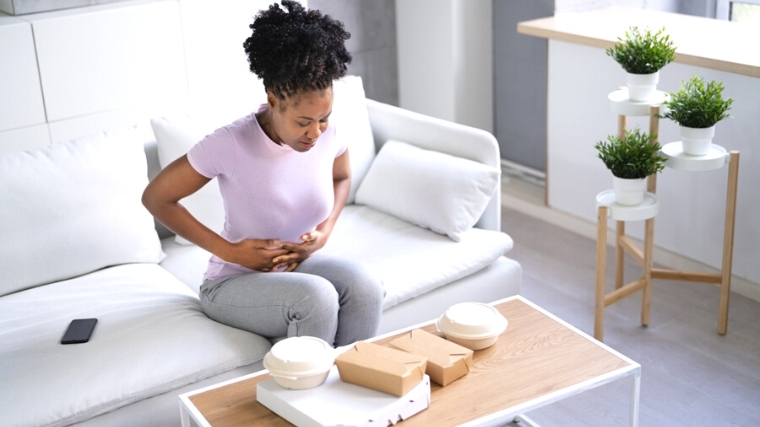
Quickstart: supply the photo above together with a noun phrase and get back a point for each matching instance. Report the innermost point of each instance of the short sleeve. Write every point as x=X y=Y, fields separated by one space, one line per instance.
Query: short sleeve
x=214 y=154
x=342 y=143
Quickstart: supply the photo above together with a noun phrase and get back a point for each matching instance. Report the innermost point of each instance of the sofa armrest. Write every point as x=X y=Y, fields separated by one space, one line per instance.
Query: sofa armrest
x=430 y=133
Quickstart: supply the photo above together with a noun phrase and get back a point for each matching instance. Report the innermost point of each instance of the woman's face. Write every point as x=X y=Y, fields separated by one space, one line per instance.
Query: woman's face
x=300 y=120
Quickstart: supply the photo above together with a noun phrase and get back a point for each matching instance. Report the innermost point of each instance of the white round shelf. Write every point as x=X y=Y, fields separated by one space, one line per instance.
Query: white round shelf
x=621 y=105
x=677 y=159
x=645 y=210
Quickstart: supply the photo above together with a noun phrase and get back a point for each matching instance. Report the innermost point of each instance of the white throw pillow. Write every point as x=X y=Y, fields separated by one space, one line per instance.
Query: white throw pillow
x=444 y=193
x=74 y=207
x=349 y=115
x=175 y=135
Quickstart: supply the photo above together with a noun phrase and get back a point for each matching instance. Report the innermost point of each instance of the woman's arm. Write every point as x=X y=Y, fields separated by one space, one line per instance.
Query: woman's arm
x=179 y=180
x=341 y=187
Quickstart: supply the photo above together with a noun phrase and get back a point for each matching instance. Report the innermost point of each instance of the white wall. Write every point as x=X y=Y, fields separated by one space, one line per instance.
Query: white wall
x=97 y=68
x=445 y=59
x=691 y=218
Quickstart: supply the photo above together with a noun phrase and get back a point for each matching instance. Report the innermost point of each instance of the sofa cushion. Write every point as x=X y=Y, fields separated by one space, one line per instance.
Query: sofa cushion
x=74 y=207
x=444 y=193
x=175 y=135
x=151 y=337
x=351 y=120
x=408 y=259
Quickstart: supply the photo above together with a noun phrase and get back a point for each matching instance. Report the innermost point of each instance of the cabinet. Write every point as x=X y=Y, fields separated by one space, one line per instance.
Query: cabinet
x=717 y=158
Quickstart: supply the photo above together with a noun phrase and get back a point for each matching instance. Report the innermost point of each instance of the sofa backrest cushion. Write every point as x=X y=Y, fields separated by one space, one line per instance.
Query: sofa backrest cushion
x=444 y=193
x=74 y=207
x=349 y=114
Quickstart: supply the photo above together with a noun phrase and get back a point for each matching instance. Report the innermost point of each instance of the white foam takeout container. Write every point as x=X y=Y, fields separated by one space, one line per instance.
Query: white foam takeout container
x=300 y=363
x=472 y=324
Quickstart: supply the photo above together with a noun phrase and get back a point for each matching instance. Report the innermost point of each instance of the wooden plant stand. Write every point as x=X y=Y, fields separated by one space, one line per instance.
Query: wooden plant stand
x=607 y=208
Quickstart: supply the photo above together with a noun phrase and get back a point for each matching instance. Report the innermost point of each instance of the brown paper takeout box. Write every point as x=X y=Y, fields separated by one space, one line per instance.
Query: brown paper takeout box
x=447 y=361
x=381 y=368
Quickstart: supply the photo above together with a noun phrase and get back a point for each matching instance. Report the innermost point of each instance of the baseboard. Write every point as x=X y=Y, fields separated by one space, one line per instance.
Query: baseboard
x=523 y=173
x=587 y=229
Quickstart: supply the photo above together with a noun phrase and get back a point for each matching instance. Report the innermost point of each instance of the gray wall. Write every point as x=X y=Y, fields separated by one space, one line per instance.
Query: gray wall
x=372 y=24
x=520 y=83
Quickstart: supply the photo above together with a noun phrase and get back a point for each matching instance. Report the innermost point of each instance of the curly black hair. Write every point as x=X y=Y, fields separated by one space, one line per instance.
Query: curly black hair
x=301 y=50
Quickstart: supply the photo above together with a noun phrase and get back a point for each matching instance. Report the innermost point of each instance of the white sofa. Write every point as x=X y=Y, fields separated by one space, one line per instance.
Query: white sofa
x=77 y=243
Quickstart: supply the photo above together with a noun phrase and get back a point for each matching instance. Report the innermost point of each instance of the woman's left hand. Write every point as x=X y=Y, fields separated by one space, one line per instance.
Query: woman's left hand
x=312 y=241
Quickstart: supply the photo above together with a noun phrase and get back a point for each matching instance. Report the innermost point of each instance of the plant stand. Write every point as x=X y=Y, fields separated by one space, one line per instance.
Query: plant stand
x=607 y=208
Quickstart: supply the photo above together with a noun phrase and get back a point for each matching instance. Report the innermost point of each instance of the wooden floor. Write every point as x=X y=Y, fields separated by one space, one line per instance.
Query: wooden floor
x=691 y=376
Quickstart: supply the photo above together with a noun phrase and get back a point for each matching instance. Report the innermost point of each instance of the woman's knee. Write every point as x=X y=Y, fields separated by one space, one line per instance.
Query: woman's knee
x=362 y=283
x=318 y=293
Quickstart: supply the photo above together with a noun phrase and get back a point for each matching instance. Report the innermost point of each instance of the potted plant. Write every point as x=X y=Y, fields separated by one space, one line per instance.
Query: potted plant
x=631 y=159
x=697 y=107
x=642 y=55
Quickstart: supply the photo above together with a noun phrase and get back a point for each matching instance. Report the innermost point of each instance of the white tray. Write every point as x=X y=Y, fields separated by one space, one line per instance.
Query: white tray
x=621 y=105
x=677 y=159
x=645 y=210
x=337 y=403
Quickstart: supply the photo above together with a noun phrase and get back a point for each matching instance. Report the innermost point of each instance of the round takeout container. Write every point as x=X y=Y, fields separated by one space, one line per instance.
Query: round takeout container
x=472 y=324
x=299 y=363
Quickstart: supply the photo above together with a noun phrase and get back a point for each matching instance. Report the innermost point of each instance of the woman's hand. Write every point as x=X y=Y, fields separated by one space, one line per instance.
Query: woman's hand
x=297 y=252
x=256 y=254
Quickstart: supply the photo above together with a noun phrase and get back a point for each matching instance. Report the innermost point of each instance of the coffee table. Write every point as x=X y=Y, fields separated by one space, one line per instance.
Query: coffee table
x=538 y=360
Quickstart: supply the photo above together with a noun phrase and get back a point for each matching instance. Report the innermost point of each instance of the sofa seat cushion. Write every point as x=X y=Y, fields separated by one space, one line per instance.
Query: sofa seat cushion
x=411 y=260
x=151 y=337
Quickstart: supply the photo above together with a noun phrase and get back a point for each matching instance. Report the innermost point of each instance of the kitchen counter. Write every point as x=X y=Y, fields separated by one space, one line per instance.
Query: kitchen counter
x=703 y=42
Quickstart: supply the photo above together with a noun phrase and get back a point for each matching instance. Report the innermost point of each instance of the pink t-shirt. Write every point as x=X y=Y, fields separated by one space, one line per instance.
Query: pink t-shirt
x=270 y=191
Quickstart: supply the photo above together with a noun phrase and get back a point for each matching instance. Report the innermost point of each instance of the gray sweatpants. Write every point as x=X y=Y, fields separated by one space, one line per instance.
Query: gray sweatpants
x=326 y=297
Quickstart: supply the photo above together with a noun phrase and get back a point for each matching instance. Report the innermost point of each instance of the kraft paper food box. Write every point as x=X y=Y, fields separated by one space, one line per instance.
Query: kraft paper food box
x=381 y=368
x=447 y=361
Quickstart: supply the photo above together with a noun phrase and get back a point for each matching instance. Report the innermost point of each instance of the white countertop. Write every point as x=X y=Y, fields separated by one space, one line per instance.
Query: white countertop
x=704 y=42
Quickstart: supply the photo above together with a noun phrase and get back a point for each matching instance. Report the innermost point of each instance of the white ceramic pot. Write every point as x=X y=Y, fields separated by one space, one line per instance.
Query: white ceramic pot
x=629 y=192
x=697 y=141
x=641 y=87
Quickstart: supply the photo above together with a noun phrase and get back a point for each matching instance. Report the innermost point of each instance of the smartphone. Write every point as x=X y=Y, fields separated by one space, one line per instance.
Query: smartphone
x=79 y=331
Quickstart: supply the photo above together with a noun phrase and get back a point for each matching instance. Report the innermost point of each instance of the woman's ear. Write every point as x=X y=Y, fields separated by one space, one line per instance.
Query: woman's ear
x=271 y=100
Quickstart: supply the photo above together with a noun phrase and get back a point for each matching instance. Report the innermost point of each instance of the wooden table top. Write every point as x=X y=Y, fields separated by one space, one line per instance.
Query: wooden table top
x=704 y=42
x=535 y=356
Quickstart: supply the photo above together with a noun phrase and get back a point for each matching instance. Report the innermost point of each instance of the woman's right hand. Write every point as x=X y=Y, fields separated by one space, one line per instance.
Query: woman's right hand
x=257 y=254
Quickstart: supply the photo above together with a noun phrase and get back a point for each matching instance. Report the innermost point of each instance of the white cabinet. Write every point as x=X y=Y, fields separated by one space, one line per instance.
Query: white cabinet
x=20 y=94
x=110 y=57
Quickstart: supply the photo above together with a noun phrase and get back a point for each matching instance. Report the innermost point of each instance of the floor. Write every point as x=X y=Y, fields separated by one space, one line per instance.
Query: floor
x=691 y=376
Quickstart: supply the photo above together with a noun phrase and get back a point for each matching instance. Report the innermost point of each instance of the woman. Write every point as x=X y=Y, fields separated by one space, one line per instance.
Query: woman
x=284 y=178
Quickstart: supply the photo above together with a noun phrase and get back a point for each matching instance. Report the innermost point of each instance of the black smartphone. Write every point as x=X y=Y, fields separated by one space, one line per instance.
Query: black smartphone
x=79 y=331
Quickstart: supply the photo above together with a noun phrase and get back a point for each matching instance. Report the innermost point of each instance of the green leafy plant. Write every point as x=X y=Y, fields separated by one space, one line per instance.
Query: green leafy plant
x=643 y=52
x=634 y=156
x=696 y=104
